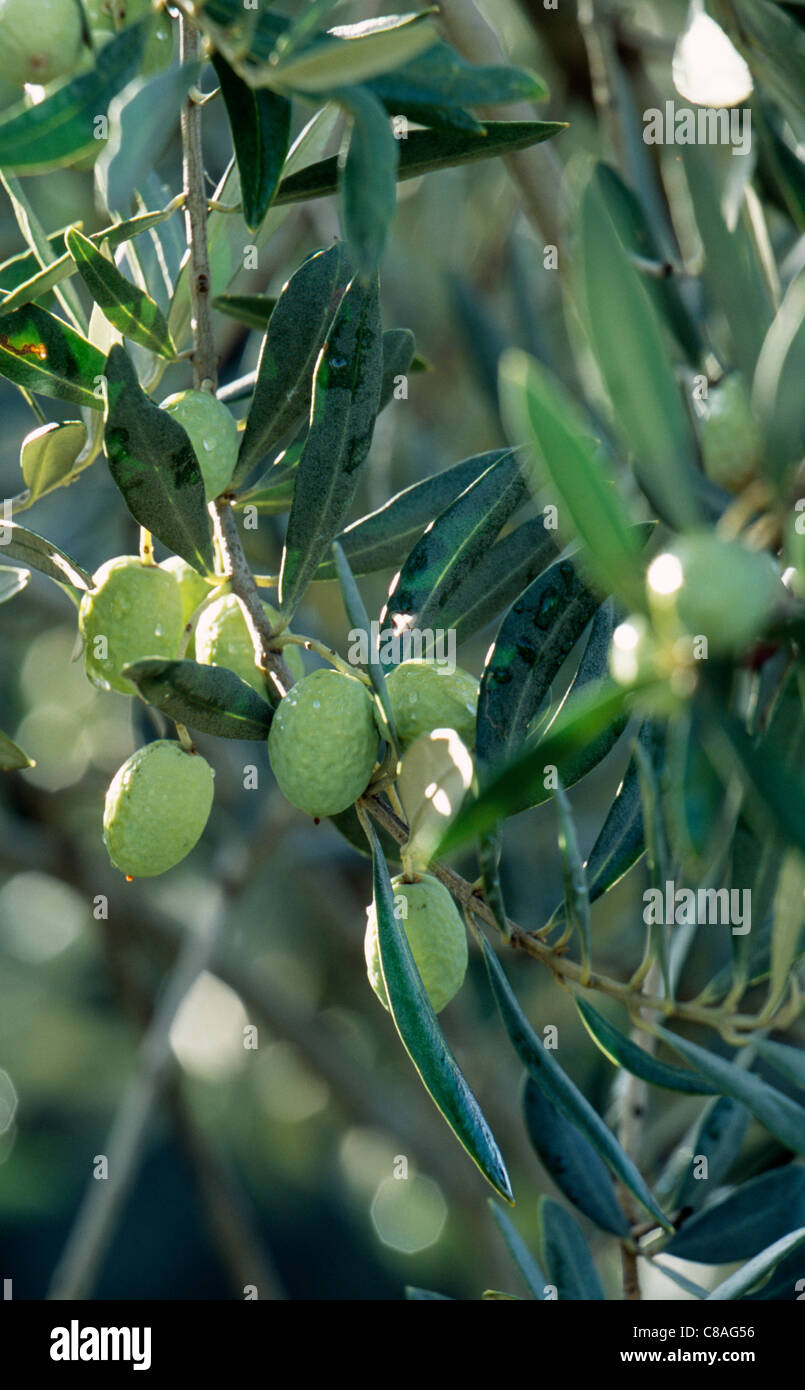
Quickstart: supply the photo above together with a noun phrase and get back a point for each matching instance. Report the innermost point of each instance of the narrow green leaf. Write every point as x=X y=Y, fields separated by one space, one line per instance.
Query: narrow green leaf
x=536 y=635
x=521 y=782
x=423 y=152
x=12 y=582
x=211 y=699
x=260 y=122
x=498 y=576
x=744 y=1222
x=787 y=1061
x=35 y=237
x=780 y=1115
x=577 y=896
x=732 y=275
x=296 y=333
x=441 y=77
x=42 y=353
x=415 y=1295
x=539 y=413
x=36 y=284
x=622 y=1052
x=572 y=1161
x=353 y=53
x=750 y=1275
x=422 y=1037
x=36 y=553
x=141 y=120
x=384 y=538
x=63 y=126
x=368 y=176
x=636 y=234
x=449 y=549
x=346 y=391
x=777 y=792
x=680 y=1280
x=533 y=1276
x=48 y=456
x=152 y=462
x=546 y=1072
x=12 y=758
x=787 y=928
x=702 y=1162
x=359 y=619
x=566 y=1254
x=254 y=310
x=132 y=312
x=777 y=385
x=399 y=357
x=635 y=366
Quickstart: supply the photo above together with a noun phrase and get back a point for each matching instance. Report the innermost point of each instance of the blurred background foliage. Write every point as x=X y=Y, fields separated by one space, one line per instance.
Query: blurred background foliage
x=282 y=1160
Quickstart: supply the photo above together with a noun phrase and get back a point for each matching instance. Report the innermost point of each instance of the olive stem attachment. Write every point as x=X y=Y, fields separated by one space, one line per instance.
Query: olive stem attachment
x=146 y=547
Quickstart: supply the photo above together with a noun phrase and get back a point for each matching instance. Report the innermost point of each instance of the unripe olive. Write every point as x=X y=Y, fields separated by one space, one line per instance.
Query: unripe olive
x=213 y=433
x=132 y=611
x=223 y=639
x=40 y=42
x=714 y=588
x=731 y=442
x=157 y=806
x=436 y=935
x=424 y=697
x=323 y=742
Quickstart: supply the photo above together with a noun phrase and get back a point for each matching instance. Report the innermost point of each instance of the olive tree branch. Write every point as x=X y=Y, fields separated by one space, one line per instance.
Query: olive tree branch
x=242 y=583
x=569 y=971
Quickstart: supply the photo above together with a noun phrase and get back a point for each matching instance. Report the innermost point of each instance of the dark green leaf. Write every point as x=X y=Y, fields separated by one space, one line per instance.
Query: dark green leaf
x=750 y=1275
x=521 y=783
x=254 y=310
x=732 y=274
x=533 y=1276
x=359 y=620
x=132 y=312
x=62 y=127
x=539 y=413
x=296 y=334
x=499 y=575
x=546 y=1072
x=572 y=1161
x=12 y=757
x=421 y=1295
x=141 y=120
x=787 y=1061
x=746 y=1221
x=399 y=352
x=622 y=1052
x=537 y=634
x=260 y=122
x=452 y=545
x=38 y=554
x=422 y=1037
x=346 y=391
x=46 y=356
x=441 y=77
x=210 y=699
x=424 y=151
x=787 y=927
x=348 y=825
x=48 y=456
x=718 y=1137
x=566 y=1254
x=12 y=582
x=152 y=462
x=635 y=366
x=384 y=538
x=777 y=386
x=368 y=177
x=780 y=1115
x=777 y=793
x=353 y=54
x=635 y=232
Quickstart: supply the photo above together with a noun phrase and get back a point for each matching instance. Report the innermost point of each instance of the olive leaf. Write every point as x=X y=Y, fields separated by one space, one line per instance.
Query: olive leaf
x=260 y=121
x=39 y=554
x=49 y=455
x=211 y=699
x=152 y=462
x=12 y=757
x=45 y=355
x=130 y=310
